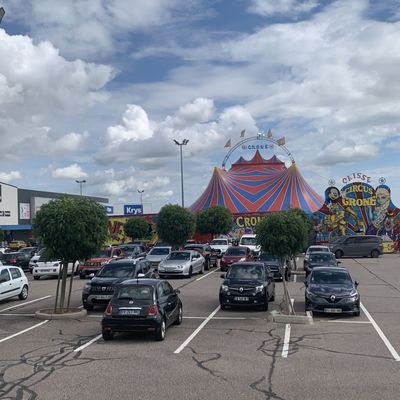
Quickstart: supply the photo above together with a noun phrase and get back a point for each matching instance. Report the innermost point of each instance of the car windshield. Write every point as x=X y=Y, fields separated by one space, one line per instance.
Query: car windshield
x=116 y=271
x=219 y=242
x=267 y=257
x=179 y=255
x=159 y=251
x=103 y=254
x=129 y=250
x=321 y=258
x=196 y=248
x=248 y=241
x=235 y=251
x=245 y=272
x=314 y=249
x=137 y=292
x=330 y=277
x=337 y=240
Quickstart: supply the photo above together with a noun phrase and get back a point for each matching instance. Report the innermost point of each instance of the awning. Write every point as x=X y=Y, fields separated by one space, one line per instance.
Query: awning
x=26 y=227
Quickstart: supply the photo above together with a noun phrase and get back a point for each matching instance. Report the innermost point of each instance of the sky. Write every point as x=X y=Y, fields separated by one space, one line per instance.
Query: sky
x=97 y=90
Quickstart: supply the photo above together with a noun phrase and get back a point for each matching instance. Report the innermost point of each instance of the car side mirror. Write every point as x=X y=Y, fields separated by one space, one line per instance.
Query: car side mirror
x=140 y=275
x=222 y=276
x=356 y=283
x=91 y=275
x=177 y=291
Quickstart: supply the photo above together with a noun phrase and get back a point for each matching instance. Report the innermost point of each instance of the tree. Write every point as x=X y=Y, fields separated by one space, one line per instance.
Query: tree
x=136 y=227
x=71 y=228
x=282 y=234
x=175 y=225
x=215 y=220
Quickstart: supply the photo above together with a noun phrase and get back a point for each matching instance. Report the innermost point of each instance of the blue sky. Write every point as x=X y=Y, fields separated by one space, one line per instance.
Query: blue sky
x=98 y=90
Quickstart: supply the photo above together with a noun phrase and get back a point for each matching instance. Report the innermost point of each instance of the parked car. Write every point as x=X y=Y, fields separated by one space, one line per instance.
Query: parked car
x=332 y=290
x=357 y=246
x=312 y=249
x=320 y=259
x=13 y=282
x=220 y=246
x=95 y=263
x=158 y=254
x=142 y=305
x=133 y=250
x=9 y=258
x=23 y=257
x=235 y=254
x=183 y=263
x=250 y=241
x=206 y=251
x=273 y=263
x=247 y=284
x=51 y=268
x=99 y=290
x=16 y=244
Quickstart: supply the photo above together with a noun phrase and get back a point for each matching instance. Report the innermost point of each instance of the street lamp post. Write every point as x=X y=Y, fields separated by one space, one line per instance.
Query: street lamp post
x=184 y=143
x=80 y=185
x=140 y=191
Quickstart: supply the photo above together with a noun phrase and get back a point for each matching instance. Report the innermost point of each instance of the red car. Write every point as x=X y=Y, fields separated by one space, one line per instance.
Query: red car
x=235 y=254
x=95 y=263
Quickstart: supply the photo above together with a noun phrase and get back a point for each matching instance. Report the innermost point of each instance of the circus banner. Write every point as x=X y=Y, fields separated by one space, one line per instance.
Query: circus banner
x=358 y=209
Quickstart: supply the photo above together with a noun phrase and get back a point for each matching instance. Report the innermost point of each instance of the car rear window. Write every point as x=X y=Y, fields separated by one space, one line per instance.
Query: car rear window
x=236 y=251
x=116 y=271
x=246 y=272
x=317 y=258
x=248 y=241
x=179 y=255
x=159 y=251
x=314 y=249
x=267 y=257
x=219 y=242
x=137 y=292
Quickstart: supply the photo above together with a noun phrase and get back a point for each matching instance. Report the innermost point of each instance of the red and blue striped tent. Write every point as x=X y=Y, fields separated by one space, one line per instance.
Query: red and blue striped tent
x=258 y=185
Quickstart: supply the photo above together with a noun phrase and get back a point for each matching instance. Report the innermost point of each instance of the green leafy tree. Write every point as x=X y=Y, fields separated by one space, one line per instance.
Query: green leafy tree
x=215 y=220
x=282 y=234
x=136 y=228
x=175 y=225
x=71 y=228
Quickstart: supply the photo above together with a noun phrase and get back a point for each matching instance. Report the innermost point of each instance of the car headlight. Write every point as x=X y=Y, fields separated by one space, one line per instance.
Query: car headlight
x=87 y=286
x=353 y=297
x=243 y=259
x=311 y=296
x=259 y=289
x=224 y=288
x=180 y=266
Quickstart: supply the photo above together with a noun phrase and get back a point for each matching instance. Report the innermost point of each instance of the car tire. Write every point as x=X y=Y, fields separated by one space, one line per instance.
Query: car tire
x=272 y=298
x=338 y=254
x=107 y=335
x=190 y=272
x=374 y=253
x=36 y=278
x=223 y=306
x=24 y=293
x=264 y=307
x=356 y=313
x=161 y=331
x=179 y=318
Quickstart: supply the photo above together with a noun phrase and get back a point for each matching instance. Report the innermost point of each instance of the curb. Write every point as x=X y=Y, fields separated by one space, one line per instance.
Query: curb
x=49 y=314
x=292 y=319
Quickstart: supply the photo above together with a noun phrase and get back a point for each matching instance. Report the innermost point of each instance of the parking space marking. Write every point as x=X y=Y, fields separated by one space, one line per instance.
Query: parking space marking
x=346 y=322
x=194 y=334
x=27 y=302
x=286 y=340
x=24 y=331
x=204 y=276
x=95 y=339
x=17 y=315
x=385 y=340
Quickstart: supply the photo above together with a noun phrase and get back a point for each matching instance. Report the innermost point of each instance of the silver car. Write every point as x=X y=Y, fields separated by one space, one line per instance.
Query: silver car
x=158 y=254
x=183 y=263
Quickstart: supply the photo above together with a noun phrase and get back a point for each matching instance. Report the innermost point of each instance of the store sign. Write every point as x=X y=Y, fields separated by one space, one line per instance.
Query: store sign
x=8 y=205
x=109 y=209
x=24 y=211
x=133 y=209
x=356 y=176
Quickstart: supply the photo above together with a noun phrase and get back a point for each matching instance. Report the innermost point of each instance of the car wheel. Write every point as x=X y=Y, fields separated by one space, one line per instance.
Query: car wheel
x=223 y=307
x=273 y=296
x=36 y=278
x=356 y=313
x=338 y=253
x=264 y=307
x=107 y=335
x=24 y=293
x=179 y=318
x=160 y=333
x=374 y=253
x=190 y=272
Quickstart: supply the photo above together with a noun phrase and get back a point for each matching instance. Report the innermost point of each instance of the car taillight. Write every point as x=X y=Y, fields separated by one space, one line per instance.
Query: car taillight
x=13 y=260
x=108 y=310
x=152 y=310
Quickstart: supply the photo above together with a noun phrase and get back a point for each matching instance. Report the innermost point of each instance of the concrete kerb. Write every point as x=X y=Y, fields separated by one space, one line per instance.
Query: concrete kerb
x=279 y=318
x=50 y=314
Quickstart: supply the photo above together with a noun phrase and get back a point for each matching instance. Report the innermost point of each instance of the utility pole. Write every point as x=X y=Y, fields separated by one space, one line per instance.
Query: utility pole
x=184 y=143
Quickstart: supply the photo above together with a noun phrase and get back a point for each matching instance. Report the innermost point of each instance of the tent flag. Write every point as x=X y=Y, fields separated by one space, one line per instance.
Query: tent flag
x=242 y=133
x=281 y=141
x=228 y=143
x=269 y=134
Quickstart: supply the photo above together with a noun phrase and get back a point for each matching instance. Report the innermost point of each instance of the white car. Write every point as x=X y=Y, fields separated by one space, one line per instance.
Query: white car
x=158 y=254
x=52 y=268
x=13 y=282
x=220 y=245
x=312 y=249
x=182 y=262
x=249 y=241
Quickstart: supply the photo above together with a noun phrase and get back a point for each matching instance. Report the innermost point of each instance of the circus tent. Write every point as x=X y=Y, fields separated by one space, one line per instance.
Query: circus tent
x=258 y=185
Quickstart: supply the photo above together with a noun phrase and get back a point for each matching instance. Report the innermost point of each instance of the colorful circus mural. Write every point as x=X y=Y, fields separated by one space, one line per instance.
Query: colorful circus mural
x=358 y=209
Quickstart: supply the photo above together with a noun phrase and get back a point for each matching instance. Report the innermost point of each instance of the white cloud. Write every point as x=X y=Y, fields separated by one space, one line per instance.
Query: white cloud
x=291 y=7
x=10 y=176
x=199 y=111
x=73 y=171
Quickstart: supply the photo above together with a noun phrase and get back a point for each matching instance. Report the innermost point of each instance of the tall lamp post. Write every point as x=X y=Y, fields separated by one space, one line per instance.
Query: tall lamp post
x=140 y=191
x=184 y=143
x=80 y=185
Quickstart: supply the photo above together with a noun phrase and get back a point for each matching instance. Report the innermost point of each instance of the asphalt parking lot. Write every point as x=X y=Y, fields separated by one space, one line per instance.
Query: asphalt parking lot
x=214 y=354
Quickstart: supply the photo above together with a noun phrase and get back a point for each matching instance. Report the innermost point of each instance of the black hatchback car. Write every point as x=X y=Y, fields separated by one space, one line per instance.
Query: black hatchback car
x=332 y=290
x=273 y=263
x=247 y=284
x=142 y=305
x=99 y=290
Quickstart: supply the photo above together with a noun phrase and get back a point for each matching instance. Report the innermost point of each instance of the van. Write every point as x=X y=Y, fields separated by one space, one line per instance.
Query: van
x=249 y=241
x=357 y=246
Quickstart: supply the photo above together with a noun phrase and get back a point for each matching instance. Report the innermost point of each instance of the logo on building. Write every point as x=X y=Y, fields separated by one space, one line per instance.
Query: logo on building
x=109 y=209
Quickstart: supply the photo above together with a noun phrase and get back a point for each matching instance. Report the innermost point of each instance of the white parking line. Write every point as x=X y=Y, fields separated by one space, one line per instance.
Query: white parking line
x=17 y=315
x=385 y=340
x=80 y=348
x=204 y=276
x=25 y=330
x=286 y=340
x=194 y=334
x=295 y=278
x=347 y=322
x=27 y=302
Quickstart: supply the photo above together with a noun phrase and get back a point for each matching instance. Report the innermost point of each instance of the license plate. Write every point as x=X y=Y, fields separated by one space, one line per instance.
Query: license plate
x=333 y=310
x=103 y=297
x=129 y=312
x=241 y=298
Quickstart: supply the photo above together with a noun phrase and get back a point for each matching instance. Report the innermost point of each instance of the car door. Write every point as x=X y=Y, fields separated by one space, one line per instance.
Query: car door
x=269 y=281
x=16 y=279
x=163 y=301
x=350 y=247
x=7 y=286
x=172 y=302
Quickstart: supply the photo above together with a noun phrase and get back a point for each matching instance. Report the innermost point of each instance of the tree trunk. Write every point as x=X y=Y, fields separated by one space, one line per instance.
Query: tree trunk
x=70 y=285
x=58 y=289
x=63 y=284
x=288 y=306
